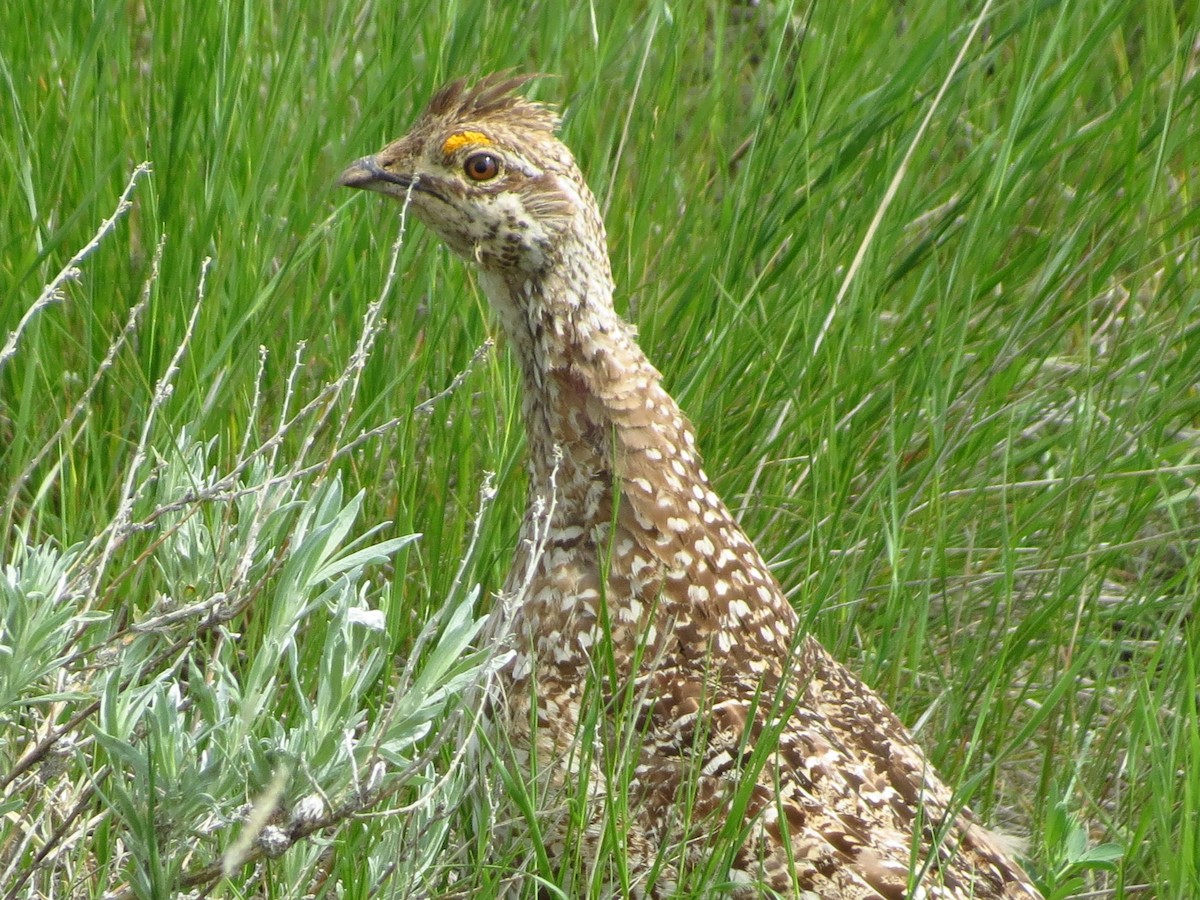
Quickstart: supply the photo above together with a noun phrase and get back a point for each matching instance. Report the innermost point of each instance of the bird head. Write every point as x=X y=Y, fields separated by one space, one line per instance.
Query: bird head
x=483 y=169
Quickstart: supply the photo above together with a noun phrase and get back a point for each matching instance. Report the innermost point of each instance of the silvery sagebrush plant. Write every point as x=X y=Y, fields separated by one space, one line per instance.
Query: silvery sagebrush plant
x=258 y=704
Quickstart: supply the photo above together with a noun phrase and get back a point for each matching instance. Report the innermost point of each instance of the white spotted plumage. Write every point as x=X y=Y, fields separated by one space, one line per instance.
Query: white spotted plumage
x=639 y=553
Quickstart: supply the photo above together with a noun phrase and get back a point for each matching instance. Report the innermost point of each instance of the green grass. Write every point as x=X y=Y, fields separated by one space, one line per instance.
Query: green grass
x=972 y=458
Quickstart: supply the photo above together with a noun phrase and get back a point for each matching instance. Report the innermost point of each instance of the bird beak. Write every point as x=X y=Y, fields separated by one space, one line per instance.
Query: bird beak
x=366 y=173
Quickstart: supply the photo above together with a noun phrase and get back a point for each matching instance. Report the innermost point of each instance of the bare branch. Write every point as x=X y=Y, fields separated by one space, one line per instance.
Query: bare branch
x=52 y=292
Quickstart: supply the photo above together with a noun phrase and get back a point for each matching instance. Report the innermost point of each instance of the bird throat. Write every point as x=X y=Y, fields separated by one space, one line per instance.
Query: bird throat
x=581 y=370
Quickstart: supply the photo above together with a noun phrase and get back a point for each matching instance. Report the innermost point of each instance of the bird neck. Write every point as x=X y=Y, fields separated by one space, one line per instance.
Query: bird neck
x=582 y=371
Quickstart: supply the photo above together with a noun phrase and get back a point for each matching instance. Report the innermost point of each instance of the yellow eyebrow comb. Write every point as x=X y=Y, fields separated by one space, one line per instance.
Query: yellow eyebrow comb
x=463 y=138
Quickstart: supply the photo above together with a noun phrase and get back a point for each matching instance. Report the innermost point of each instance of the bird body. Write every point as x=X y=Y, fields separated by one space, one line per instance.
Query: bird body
x=627 y=556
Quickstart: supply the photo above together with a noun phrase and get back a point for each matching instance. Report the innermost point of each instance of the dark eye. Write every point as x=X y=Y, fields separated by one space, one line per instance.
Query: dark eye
x=481 y=166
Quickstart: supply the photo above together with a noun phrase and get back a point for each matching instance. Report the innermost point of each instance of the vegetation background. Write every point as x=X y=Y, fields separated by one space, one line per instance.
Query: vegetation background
x=936 y=323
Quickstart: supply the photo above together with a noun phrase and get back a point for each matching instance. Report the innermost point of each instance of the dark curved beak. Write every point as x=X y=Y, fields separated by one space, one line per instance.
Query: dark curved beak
x=367 y=174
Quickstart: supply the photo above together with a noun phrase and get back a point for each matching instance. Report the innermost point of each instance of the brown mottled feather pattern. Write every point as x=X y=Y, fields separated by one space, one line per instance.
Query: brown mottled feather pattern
x=641 y=553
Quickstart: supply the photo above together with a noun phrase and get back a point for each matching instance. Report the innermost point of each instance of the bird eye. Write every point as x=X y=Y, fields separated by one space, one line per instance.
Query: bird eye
x=481 y=166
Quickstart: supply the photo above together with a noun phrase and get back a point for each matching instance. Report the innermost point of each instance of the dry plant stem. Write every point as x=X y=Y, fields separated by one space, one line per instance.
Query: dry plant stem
x=372 y=323
x=426 y=406
x=225 y=489
x=289 y=393
x=317 y=408
x=121 y=528
x=256 y=407
x=241 y=571
x=119 y=531
x=52 y=292
x=84 y=401
x=36 y=753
